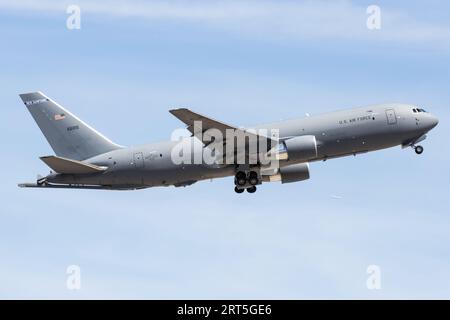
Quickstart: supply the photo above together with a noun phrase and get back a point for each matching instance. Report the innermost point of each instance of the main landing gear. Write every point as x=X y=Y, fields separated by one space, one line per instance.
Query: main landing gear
x=418 y=149
x=237 y=190
x=249 y=189
x=240 y=179
x=244 y=181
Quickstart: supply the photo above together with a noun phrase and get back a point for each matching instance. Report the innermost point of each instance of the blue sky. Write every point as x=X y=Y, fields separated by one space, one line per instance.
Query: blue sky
x=243 y=62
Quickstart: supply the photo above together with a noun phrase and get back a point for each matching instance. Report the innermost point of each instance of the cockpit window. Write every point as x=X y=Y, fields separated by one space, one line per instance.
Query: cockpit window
x=416 y=110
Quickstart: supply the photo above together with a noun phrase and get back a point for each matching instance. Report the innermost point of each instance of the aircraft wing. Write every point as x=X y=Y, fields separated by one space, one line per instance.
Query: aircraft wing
x=69 y=166
x=189 y=117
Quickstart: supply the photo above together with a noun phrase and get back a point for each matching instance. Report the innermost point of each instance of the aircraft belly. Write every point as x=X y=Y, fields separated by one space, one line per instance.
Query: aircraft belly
x=355 y=141
x=90 y=179
x=181 y=173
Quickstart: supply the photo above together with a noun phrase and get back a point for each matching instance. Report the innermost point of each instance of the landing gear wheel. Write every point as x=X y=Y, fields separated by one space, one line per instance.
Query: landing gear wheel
x=418 y=149
x=253 y=178
x=237 y=190
x=251 y=189
x=240 y=178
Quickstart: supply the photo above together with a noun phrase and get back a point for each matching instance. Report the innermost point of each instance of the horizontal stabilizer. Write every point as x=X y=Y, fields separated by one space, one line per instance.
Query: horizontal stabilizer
x=68 y=166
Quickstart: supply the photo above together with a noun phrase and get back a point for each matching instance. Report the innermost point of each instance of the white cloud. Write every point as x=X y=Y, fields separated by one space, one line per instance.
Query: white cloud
x=269 y=19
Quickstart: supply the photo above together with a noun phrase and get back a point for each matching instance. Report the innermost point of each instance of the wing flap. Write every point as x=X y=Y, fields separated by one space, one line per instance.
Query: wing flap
x=69 y=166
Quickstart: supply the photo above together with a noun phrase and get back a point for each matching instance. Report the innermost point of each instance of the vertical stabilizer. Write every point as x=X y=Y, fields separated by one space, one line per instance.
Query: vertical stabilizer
x=68 y=136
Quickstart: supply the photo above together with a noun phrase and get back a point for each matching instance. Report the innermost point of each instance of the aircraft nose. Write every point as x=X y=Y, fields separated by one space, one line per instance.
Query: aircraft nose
x=432 y=121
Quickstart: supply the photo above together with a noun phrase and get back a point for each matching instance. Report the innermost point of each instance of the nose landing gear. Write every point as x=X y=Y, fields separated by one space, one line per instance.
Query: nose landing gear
x=418 y=149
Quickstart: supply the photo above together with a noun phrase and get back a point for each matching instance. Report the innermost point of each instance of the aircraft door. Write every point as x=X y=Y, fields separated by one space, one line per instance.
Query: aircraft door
x=391 y=116
x=138 y=159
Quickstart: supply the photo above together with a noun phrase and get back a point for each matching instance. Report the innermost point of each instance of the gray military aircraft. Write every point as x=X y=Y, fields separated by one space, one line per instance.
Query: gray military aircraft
x=85 y=159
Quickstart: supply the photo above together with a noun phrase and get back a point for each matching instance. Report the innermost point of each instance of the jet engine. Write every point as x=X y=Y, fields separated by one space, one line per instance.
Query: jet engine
x=292 y=173
x=298 y=149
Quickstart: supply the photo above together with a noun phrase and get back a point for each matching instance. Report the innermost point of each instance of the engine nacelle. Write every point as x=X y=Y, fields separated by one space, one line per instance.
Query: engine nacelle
x=292 y=173
x=298 y=149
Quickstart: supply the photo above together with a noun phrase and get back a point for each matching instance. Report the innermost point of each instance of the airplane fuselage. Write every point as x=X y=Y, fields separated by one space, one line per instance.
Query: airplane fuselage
x=340 y=133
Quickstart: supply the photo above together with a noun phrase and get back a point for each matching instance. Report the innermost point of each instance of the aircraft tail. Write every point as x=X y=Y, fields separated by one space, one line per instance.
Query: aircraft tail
x=68 y=136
